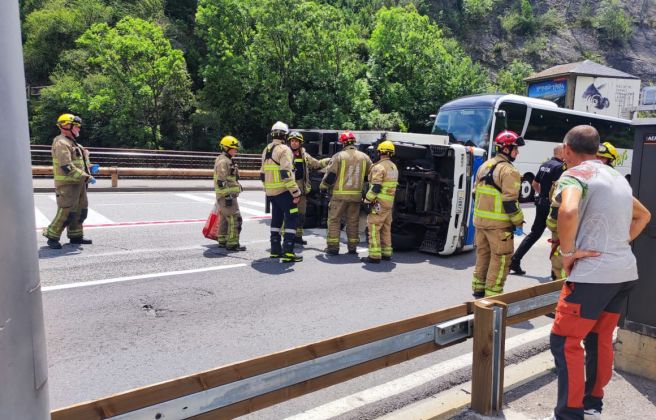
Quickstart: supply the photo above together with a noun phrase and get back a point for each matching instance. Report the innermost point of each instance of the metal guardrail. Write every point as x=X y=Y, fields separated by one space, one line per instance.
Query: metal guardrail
x=247 y=386
x=143 y=158
x=115 y=173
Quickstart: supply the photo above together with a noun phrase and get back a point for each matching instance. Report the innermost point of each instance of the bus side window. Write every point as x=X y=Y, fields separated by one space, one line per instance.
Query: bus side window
x=515 y=117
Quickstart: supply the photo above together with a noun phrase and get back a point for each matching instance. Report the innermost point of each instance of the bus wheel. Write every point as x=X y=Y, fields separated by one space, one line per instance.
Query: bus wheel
x=526 y=190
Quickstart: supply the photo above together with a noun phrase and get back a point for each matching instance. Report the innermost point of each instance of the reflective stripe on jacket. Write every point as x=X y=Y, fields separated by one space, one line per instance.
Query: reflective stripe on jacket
x=351 y=167
x=384 y=174
x=68 y=153
x=497 y=208
x=278 y=169
x=226 y=177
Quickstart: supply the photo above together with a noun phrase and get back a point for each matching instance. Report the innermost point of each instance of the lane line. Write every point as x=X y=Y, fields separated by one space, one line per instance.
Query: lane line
x=242 y=209
x=408 y=382
x=140 y=277
x=40 y=219
x=93 y=217
x=161 y=223
x=241 y=200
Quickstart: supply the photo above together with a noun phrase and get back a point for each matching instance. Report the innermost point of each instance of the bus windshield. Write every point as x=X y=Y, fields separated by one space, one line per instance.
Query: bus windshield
x=465 y=125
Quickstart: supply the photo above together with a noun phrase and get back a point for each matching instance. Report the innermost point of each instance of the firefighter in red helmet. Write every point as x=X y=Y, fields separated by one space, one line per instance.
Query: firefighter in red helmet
x=496 y=215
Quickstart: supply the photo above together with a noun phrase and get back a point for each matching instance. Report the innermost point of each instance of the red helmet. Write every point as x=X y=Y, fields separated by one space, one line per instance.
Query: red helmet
x=508 y=138
x=347 y=137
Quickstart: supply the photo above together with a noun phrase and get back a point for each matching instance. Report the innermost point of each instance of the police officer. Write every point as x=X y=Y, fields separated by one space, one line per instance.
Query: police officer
x=496 y=213
x=383 y=180
x=72 y=172
x=277 y=173
x=345 y=175
x=548 y=173
x=227 y=189
x=608 y=154
x=303 y=164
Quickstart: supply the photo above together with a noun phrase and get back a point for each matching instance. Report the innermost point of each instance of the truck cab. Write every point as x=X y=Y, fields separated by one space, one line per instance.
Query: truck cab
x=433 y=206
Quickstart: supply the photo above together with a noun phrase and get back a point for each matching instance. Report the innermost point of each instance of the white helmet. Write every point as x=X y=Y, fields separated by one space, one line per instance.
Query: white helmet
x=279 y=130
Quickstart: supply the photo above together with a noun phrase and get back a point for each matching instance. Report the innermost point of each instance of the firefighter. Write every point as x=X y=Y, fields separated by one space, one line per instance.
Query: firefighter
x=72 y=172
x=303 y=163
x=277 y=173
x=557 y=271
x=227 y=189
x=383 y=180
x=345 y=175
x=496 y=213
x=607 y=153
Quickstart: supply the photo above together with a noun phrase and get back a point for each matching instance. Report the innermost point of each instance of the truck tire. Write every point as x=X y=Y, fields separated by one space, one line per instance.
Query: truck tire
x=403 y=241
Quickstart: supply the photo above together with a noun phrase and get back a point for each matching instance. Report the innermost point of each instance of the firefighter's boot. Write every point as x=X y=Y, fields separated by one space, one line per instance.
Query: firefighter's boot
x=288 y=255
x=81 y=241
x=54 y=244
x=276 y=247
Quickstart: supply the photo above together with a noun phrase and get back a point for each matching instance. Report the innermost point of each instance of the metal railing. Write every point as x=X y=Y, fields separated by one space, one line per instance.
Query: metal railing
x=143 y=158
x=243 y=387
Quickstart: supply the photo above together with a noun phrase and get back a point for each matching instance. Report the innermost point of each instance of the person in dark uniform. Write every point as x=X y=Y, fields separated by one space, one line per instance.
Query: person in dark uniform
x=548 y=173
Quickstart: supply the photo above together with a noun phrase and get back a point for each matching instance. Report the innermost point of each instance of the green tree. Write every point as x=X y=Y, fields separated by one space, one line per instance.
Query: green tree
x=612 y=22
x=132 y=86
x=413 y=69
x=511 y=78
x=53 y=28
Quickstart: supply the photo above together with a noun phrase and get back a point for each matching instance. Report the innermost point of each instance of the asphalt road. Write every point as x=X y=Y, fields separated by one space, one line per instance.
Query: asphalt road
x=151 y=300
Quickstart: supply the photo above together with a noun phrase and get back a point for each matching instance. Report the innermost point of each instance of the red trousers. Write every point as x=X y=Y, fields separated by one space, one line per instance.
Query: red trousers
x=586 y=312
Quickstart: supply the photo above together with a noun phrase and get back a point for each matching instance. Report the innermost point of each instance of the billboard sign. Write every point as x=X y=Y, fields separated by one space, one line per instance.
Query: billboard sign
x=551 y=90
x=606 y=96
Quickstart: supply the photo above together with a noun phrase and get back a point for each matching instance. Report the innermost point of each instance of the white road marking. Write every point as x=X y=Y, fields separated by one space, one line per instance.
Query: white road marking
x=241 y=200
x=93 y=217
x=139 y=277
x=40 y=219
x=242 y=209
x=408 y=382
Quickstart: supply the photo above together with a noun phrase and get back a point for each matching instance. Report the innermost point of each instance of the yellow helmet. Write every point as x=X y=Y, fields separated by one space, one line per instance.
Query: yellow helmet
x=295 y=135
x=607 y=150
x=386 y=147
x=229 y=142
x=65 y=119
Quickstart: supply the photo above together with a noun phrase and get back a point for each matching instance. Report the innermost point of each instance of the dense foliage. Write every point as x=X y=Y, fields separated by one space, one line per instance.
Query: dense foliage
x=182 y=73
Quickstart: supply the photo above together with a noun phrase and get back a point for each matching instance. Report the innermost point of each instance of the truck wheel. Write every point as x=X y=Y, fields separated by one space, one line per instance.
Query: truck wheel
x=404 y=241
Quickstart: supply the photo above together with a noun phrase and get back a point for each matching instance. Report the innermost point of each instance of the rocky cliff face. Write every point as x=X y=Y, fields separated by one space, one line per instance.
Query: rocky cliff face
x=563 y=32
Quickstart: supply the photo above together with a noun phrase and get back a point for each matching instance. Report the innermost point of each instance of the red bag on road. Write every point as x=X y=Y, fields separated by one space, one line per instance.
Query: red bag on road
x=211 y=228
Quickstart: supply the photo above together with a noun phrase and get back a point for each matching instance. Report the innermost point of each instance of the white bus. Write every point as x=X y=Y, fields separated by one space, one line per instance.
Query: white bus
x=474 y=120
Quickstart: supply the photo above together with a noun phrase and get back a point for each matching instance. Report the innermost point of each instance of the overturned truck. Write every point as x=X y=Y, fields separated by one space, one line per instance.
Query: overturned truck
x=434 y=202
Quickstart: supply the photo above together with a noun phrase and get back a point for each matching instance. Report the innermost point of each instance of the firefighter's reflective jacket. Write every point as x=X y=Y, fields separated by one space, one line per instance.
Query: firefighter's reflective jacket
x=496 y=195
x=277 y=171
x=226 y=177
x=383 y=180
x=70 y=161
x=346 y=174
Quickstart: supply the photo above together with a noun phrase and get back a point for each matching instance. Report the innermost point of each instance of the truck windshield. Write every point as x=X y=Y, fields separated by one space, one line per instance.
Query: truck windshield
x=466 y=125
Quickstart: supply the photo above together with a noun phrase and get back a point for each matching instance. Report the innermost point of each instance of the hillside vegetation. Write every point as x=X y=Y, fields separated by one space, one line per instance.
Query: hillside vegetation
x=182 y=73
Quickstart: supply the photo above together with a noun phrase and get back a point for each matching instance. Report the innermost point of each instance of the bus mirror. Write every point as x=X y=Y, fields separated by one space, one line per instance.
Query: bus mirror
x=500 y=114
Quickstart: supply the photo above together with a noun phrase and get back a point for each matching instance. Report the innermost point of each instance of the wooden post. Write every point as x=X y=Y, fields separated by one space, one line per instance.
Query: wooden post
x=488 y=354
x=114 y=172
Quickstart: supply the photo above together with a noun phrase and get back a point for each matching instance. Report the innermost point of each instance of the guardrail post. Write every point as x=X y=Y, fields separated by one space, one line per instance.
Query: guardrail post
x=489 y=349
x=114 y=171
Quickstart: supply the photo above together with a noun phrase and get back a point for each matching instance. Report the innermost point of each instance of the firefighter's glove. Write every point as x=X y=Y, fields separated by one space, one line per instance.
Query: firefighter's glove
x=95 y=168
x=228 y=201
x=518 y=231
x=92 y=180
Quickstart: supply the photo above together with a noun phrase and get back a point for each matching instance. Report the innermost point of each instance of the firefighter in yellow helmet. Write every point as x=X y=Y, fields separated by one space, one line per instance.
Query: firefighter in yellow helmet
x=496 y=215
x=345 y=176
x=72 y=172
x=608 y=154
x=383 y=180
x=303 y=164
x=277 y=174
x=227 y=189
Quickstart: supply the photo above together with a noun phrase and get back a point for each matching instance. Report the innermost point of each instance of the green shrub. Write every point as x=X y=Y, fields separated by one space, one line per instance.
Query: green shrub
x=477 y=9
x=612 y=22
x=551 y=21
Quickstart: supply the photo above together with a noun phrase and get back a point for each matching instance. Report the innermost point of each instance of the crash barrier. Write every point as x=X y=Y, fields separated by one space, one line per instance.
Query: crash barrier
x=247 y=386
x=115 y=173
x=144 y=158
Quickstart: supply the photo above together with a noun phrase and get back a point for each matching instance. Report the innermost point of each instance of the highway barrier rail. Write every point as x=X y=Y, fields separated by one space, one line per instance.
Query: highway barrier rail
x=144 y=158
x=115 y=173
x=244 y=387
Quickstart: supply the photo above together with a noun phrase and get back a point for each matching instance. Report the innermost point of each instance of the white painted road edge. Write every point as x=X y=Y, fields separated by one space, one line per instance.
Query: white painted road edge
x=408 y=382
x=139 y=277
